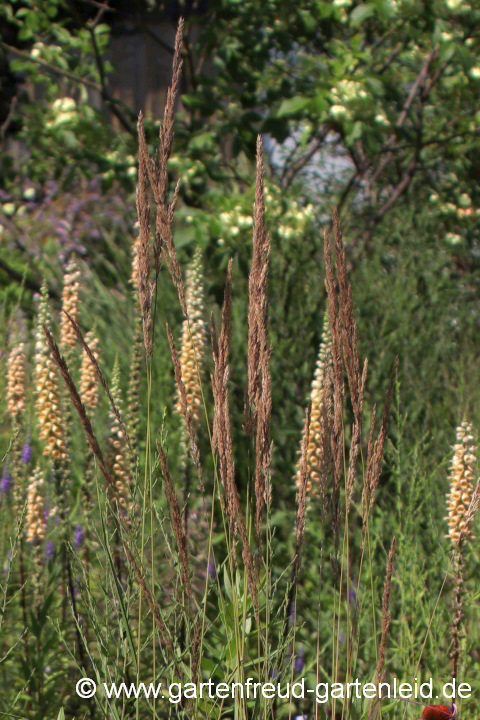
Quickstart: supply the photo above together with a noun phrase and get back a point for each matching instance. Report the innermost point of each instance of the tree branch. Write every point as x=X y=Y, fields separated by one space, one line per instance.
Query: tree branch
x=106 y=97
x=51 y=68
x=421 y=80
x=291 y=172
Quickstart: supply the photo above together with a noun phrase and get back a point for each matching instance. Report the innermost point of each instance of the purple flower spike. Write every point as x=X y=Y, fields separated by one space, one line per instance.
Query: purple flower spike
x=27 y=453
x=352 y=596
x=79 y=536
x=212 y=568
x=299 y=661
x=6 y=481
x=50 y=550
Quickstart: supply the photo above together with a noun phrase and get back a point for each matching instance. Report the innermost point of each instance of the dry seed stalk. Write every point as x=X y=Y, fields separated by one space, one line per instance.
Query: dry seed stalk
x=176 y=519
x=222 y=436
x=146 y=287
x=258 y=408
x=386 y=615
x=263 y=446
x=356 y=380
x=166 y=640
x=348 y=324
x=376 y=451
x=257 y=293
x=458 y=565
x=337 y=435
x=157 y=173
x=386 y=621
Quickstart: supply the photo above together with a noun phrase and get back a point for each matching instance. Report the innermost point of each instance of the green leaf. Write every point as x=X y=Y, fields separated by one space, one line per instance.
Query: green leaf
x=32 y=20
x=465 y=57
x=292 y=106
x=308 y=20
x=202 y=141
x=357 y=131
x=447 y=51
x=61 y=714
x=361 y=13
x=375 y=86
x=325 y=9
x=227 y=584
x=319 y=103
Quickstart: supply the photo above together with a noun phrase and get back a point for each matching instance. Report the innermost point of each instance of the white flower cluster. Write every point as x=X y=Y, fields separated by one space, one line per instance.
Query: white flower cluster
x=185 y=174
x=64 y=112
x=289 y=223
x=462 y=209
x=344 y=92
x=116 y=157
x=453 y=238
x=347 y=90
x=382 y=119
x=295 y=219
x=37 y=50
x=233 y=221
x=458 y=5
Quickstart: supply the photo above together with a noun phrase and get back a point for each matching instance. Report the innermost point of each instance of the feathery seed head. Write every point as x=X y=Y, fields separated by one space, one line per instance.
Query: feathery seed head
x=135 y=279
x=317 y=397
x=462 y=472
x=16 y=380
x=35 y=508
x=193 y=338
x=48 y=396
x=71 y=288
x=88 y=381
x=117 y=443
